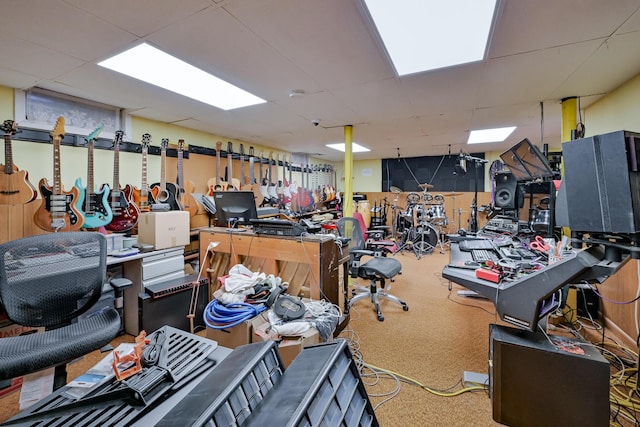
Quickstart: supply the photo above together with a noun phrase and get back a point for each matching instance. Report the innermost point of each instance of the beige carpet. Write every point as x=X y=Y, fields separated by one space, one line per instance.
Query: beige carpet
x=441 y=336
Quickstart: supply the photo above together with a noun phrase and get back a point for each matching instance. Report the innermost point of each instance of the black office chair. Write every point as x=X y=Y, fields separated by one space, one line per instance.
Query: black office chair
x=376 y=270
x=48 y=281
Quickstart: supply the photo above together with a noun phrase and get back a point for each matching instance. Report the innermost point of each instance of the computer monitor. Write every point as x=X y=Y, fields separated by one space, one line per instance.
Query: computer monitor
x=235 y=208
x=526 y=162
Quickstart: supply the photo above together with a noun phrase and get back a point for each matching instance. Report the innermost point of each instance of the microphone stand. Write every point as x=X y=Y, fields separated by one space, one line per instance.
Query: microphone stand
x=473 y=224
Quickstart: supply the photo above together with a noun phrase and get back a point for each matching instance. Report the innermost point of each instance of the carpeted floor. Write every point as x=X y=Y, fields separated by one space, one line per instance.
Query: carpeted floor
x=441 y=336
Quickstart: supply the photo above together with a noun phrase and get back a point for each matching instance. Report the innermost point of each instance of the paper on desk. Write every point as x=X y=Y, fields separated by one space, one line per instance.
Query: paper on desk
x=36 y=386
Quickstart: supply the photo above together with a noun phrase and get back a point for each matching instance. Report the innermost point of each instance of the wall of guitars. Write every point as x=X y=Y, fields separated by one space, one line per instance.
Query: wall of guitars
x=180 y=183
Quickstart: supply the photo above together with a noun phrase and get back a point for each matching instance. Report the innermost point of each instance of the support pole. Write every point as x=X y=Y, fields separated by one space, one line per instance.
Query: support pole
x=569 y=117
x=347 y=202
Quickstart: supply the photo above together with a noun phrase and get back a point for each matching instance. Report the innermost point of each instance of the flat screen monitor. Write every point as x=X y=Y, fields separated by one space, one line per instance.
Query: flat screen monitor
x=526 y=162
x=235 y=208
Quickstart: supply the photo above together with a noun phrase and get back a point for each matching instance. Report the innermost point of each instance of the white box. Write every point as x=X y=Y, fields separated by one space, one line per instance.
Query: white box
x=164 y=229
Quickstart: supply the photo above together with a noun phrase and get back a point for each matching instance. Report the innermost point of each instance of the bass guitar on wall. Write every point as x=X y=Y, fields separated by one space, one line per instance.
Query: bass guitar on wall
x=125 y=212
x=58 y=211
x=15 y=188
x=94 y=204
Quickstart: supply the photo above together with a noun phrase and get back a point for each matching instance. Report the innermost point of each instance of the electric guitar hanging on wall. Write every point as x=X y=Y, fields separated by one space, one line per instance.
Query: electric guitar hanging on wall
x=145 y=197
x=94 y=204
x=167 y=191
x=15 y=188
x=125 y=212
x=58 y=211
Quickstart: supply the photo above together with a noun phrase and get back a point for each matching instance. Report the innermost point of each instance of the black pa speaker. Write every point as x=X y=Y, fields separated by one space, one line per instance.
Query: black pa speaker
x=506 y=193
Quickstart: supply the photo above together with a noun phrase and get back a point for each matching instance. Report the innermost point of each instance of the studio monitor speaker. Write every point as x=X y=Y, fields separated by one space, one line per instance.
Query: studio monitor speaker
x=506 y=190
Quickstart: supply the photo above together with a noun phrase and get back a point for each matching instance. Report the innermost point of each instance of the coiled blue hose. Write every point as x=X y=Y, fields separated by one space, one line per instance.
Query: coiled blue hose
x=220 y=316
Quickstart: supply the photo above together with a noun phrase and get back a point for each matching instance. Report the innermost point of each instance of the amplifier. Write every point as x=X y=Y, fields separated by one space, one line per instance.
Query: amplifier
x=173 y=286
x=171 y=304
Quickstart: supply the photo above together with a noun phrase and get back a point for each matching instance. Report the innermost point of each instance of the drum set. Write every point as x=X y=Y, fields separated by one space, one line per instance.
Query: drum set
x=421 y=224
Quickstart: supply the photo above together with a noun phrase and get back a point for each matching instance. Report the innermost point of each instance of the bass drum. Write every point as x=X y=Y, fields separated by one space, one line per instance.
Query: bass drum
x=425 y=238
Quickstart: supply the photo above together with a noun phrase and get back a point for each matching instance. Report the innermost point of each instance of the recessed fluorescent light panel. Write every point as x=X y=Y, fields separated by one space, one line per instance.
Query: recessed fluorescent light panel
x=151 y=65
x=422 y=35
x=490 y=135
x=355 y=148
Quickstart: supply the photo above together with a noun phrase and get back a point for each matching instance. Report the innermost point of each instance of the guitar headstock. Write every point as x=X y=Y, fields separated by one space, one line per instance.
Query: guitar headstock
x=164 y=144
x=250 y=151
x=218 y=146
x=9 y=127
x=94 y=135
x=181 y=145
x=117 y=140
x=58 y=129
x=229 y=148
x=242 y=150
x=146 y=141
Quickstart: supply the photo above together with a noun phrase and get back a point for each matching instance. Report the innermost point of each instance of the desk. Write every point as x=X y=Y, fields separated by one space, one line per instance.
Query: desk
x=144 y=269
x=525 y=301
x=310 y=264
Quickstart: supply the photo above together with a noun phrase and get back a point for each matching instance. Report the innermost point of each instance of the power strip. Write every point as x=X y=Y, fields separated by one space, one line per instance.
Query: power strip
x=470 y=379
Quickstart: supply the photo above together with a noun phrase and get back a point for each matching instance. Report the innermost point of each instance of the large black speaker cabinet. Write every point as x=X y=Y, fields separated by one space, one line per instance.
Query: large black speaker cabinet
x=535 y=383
x=602 y=178
x=506 y=195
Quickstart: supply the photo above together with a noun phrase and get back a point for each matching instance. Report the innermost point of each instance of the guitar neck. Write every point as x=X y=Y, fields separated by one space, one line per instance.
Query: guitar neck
x=144 y=187
x=90 y=188
x=57 y=183
x=8 y=155
x=116 y=168
x=163 y=170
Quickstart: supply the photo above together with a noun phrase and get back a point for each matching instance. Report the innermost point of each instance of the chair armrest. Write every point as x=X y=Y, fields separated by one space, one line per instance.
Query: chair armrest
x=120 y=283
x=358 y=253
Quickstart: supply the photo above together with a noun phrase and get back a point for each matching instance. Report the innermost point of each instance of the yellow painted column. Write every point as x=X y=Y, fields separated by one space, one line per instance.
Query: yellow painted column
x=569 y=117
x=569 y=123
x=347 y=201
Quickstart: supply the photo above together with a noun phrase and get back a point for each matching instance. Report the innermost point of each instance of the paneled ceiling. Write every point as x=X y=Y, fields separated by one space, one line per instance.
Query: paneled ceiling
x=541 y=52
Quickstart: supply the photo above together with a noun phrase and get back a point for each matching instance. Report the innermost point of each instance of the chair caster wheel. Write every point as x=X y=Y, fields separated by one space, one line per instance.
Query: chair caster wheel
x=405 y=307
x=380 y=318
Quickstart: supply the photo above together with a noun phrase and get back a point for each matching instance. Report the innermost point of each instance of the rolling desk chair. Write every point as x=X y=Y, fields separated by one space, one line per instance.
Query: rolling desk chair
x=378 y=269
x=374 y=237
x=48 y=281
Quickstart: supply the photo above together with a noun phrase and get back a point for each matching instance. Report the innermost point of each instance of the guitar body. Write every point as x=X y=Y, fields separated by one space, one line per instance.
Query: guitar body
x=58 y=212
x=142 y=201
x=169 y=195
x=15 y=188
x=97 y=212
x=125 y=212
x=190 y=203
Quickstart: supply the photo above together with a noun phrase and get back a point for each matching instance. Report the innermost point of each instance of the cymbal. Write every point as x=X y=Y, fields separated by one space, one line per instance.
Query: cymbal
x=395 y=189
x=425 y=186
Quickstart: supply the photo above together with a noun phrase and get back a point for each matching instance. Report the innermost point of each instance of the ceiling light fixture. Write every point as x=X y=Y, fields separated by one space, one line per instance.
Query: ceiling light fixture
x=490 y=135
x=296 y=93
x=422 y=35
x=355 y=148
x=151 y=65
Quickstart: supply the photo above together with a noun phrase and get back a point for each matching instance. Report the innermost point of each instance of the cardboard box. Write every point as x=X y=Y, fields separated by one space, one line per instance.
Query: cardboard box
x=288 y=347
x=164 y=229
x=232 y=337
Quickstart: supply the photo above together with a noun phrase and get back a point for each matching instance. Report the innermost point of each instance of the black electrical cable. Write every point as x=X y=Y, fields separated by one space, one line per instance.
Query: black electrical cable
x=151 y=353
